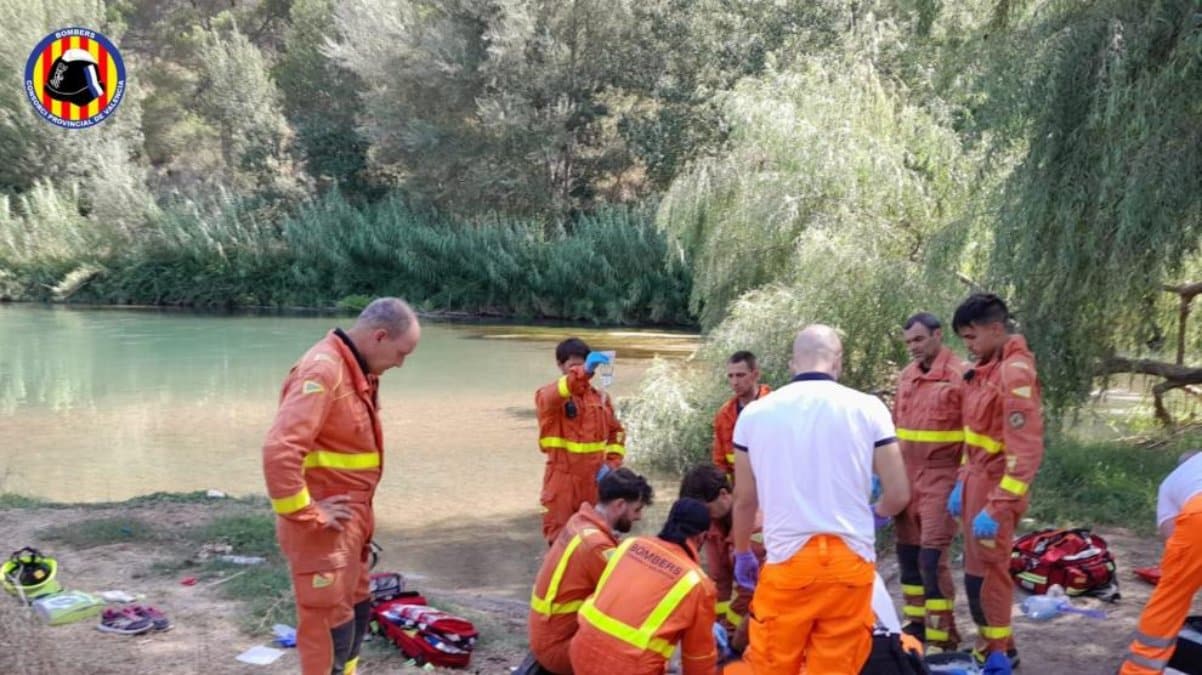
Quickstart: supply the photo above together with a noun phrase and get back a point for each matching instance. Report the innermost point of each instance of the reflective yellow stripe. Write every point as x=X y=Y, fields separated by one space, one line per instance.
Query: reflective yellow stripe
x=571 y=446
x=546 y=605
x=723 y=609
x=1013 y=485
x=351 y=666
x=934 y=635
x=642 y=637
x=616 y=448
x=564 y=392
x=914 y=611
x=995 y=632
x=286 y=505
x=1033 y=578
x=913 y=589
x=348 y=461
x=982 y=441
x=730 y=458
x=939 y=605
x=930 y=435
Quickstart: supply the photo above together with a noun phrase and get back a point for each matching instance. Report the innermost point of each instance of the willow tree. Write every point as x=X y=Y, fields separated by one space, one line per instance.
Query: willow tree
x=1106 y=204
x=821 y=211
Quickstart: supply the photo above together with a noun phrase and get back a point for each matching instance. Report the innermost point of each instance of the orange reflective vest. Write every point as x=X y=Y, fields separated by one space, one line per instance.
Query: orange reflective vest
x=651 y=596
x=326 y=440
x=569 y=574
x=927 y=413
x=577 y=427
x=724 y=431
x=1003 y=424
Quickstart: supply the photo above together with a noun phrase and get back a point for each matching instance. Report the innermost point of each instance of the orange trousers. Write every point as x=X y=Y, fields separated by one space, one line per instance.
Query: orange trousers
x=1180 y=579
x=813 y=611
x=563 y=493
x=333 y=606
x=925 y=531
x=987 y=581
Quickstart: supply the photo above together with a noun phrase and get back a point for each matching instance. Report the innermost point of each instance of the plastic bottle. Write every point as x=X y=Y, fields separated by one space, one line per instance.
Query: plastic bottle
x=242 y=559
x=1044 y=607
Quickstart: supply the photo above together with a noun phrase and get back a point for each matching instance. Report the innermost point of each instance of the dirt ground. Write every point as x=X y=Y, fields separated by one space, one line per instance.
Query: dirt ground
x=208 y=631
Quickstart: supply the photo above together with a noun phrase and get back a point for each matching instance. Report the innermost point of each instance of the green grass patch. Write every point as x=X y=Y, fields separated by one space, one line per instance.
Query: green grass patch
x=265 y=592
x=1104 y=483
x=250 y=534
x=11 y=500
x=101 y=531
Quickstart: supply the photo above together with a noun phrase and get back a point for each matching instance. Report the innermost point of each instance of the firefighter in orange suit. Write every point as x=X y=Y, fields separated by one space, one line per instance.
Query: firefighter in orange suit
x=743 y=376
x=926 y=412
x=573 y=566
x=1003 y=448
x=707 y=483
x=652 y=595
x=578 y=432
x=322 y=460
x=1179 y=517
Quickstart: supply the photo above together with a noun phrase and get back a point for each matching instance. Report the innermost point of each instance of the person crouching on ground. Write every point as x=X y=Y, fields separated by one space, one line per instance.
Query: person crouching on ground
x=572 y=568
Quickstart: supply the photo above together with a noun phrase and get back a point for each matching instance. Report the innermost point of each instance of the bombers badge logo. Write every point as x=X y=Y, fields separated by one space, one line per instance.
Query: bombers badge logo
x=75 y=78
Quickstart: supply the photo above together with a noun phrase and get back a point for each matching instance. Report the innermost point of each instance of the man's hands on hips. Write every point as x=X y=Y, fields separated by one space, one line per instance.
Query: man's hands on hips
x=333 y=510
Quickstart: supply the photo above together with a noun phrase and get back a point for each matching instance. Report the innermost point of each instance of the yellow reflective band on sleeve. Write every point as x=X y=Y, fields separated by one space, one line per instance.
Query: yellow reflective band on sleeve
x=913 y=589
x=562 y=385
x=913 y=611
x=939 y=605
x=982 y=441
x=286 y=505
x=934 y=635
x=1013 y=485
x=616 y=448
x=549 y=442
x=546 y=605
x=351 y=666
x=996 y=632
x=642 y=637
x=730 y=458
x=346 y=461
x=931 y=436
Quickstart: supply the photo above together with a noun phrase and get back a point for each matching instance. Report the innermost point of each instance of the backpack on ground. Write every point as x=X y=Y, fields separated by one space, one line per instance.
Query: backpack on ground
x=425 y=634
x=1076 y=559
x=890 y=657
x=1187 y=657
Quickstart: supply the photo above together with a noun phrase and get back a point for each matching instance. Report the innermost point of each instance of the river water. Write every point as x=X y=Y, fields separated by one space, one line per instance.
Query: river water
x=107 y=404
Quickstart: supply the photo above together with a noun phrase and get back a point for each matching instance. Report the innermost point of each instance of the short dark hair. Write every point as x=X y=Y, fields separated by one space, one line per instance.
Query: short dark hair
x=704 y=482
x=981 y=308
x=927 y=319
x=622 y=483
x=742 y=356
x=570 y=347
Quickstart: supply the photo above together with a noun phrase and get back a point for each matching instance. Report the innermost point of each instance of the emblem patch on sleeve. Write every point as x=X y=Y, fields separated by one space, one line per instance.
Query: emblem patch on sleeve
x=1022 y=392
x=312 y=387
x=1018 y=420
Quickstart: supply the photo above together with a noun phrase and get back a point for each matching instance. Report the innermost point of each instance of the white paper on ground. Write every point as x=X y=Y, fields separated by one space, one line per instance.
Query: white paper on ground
x=260 y=655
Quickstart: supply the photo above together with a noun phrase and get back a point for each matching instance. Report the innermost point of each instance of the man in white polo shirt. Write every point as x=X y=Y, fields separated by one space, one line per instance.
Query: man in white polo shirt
x=805 y=455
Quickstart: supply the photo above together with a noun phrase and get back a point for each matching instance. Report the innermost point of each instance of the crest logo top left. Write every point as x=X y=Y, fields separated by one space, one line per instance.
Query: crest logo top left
x=75 y=78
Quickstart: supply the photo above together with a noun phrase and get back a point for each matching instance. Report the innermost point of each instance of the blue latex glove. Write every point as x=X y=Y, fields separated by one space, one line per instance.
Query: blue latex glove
x=603 y=472
x=876 y=489
x=878 y=520
x=955 y=502
x=594 y=359
x=747 y=569
x=997 y=664
x=722 y=641
x=984 y=526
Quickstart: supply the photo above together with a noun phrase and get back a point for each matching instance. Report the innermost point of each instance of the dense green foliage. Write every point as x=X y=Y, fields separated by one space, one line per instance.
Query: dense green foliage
x=806 y=160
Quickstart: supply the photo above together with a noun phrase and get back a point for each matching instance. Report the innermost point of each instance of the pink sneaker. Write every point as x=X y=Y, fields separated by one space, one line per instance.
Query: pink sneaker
x=123 y=622
x=159 y=621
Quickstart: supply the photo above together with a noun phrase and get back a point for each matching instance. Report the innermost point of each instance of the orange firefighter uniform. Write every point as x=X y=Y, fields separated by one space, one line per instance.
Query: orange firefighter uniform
x=1003 y=448
x=724 y=431
x=1181 y=577
x=651 y=596
x=931 y=434
x=569 y=574
x=326 y=441
x=733 y=600
x=578 y=431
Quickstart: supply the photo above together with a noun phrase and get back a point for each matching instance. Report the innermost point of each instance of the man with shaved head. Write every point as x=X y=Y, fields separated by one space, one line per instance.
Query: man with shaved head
x=805 y=455
x=322 y=461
